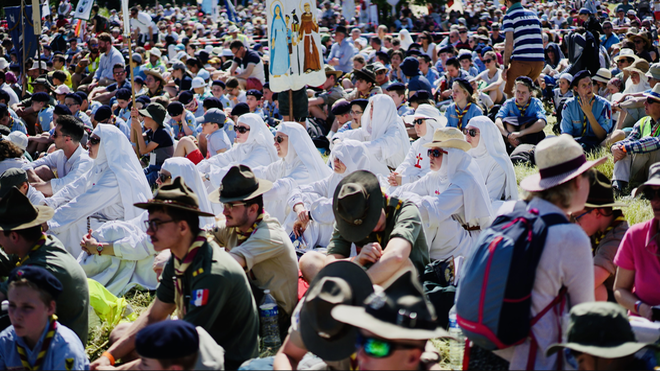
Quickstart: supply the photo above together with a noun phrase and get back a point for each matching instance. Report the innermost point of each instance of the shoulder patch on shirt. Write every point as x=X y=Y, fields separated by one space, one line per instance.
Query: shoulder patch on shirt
x=199 y=297
x=68 y=363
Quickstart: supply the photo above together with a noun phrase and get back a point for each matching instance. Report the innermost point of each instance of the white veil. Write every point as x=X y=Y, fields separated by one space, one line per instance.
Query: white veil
x=116 y=154
x=259 y=135
x=492 y=145
x=461 y=169
x=431 y=125
x=406 y=40
x=181 y=166
x=301 y=148
x=385 y=115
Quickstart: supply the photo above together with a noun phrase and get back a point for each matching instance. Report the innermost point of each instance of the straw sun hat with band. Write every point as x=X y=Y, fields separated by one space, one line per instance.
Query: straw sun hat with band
x=559 y=160
x=449 y=138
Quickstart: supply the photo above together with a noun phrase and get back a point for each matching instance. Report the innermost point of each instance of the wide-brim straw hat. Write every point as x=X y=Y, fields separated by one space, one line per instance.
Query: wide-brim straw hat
x=603 y=75
x=559 y=160
x=329 y=70
x=626 y=52
x=155 y=72
x=449 y=138
x=654 y=93
x=641 y=66
x=641 y=35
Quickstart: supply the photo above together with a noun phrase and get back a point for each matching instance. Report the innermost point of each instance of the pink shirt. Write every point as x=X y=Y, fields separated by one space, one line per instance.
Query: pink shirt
x=637 y=253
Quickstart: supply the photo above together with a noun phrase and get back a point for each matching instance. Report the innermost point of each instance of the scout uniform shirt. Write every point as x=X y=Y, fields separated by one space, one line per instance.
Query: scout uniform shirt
x=73 y=302
x=575 y=122
x=65 y=351
x=402 y=220
x=45 y=117
x=219 y=299
x=269 y=256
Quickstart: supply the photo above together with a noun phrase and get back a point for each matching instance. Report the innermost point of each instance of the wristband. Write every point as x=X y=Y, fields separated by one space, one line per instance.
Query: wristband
x=638 y=304
x=623 y=148
x=109 y=357
x=507 y=136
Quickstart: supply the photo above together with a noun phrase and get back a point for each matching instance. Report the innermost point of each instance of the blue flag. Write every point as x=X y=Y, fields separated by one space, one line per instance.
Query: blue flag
x=18 y=31
x=231 y=12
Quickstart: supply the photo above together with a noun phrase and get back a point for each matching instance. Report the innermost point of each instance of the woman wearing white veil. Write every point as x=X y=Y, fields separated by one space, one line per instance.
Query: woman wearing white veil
x=489 y=151
x=130 y=254
x=253 y=148
x=416 y=164
x=452 y=198
x=106 y=192
x=300 y=164
x=382 y=131
x=313 y=202
x=406 y=39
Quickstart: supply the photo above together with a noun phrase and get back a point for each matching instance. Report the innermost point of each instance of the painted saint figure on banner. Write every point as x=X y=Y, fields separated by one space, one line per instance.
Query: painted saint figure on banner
x=279 y=54
x=308 y=26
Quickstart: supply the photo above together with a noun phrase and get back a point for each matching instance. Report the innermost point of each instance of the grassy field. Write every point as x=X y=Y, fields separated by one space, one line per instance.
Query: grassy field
x=637 y=211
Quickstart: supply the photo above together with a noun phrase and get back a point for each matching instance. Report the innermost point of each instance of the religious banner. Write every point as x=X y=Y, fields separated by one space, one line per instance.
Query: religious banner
x=36 y=17
x=295 y=45
x=127 y=21
x=18 y=31
x=83 y=10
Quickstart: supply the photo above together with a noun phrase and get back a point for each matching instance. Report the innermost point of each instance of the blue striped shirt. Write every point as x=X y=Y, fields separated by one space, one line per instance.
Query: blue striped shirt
x=526 y=28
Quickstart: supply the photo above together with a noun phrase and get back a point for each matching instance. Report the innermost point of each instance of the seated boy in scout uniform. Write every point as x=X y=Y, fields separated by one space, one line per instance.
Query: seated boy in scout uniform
x=36 y=340
x=22 y=238
x=386 y=231
x=201 y=282
x=256 y=240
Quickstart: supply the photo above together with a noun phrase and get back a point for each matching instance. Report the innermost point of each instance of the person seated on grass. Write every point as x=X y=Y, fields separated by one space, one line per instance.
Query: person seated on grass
x=606 y=228
x=182 y=122
x=177 y=345
x=397 y=91
x=464 y=106
x=216 y=138
x=220 y=298
x=600 y=337
x=36 y=340
x=104 y=115
x=357 y=109
x=587 y=117
x=160 y=145
x=253 y=100
x=521 y=118
x=634 y=155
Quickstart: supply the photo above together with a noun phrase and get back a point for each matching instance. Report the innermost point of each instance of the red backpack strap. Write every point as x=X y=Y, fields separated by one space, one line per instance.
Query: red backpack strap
x=534 y=345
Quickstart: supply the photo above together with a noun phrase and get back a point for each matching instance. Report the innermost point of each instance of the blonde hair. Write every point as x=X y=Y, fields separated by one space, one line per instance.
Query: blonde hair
x=470 y=98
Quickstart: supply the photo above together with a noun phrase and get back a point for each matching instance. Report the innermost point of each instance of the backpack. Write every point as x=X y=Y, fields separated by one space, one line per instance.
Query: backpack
x=494 y=297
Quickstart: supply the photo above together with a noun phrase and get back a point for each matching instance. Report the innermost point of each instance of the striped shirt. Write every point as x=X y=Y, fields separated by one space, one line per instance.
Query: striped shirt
x=526 y=28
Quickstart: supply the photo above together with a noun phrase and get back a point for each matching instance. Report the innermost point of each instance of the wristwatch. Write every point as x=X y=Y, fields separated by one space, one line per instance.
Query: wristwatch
x=99 y=248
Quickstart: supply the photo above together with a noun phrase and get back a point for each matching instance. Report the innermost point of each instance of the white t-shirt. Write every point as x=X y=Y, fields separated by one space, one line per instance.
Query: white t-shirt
x=142 y=23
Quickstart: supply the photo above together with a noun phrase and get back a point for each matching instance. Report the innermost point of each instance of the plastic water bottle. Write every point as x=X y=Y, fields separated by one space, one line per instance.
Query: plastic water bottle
x=270 y=330
x=456 y=347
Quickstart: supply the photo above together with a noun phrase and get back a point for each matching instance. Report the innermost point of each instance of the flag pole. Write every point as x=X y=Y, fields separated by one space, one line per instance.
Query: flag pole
x=25 y=77
x=127 y=36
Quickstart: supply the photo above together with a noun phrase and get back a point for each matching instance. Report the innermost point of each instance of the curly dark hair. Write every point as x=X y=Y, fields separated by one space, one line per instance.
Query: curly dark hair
x=9 y=150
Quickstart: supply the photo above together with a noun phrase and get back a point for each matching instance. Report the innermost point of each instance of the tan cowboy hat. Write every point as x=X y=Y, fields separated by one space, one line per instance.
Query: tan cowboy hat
x=641 y=66
x=176 y=195
x=559 y=160
x=239 y=184
x=626 y=52
x=155 y=72
x=17 y=212
x=329 y=70
x=642 y=35
x=449 y=138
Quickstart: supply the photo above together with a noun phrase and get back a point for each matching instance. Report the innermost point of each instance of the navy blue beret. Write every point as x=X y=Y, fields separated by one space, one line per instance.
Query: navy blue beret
x=61 y=109
x=240 y=109
x=175 y=109
x=39 y=276
x=103 y=113
x=75 y=97
x=341 y=108
x=40 y=97
x=124 y=94
x=169 y=339
x=254 y=92
x=185 y=97
x=396 y=86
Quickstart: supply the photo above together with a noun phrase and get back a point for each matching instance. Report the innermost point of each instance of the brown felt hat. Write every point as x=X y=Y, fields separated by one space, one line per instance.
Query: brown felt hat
x=176 y=195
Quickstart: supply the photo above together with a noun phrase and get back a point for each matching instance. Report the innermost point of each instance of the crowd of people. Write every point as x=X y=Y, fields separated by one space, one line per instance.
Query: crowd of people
x=173 y=167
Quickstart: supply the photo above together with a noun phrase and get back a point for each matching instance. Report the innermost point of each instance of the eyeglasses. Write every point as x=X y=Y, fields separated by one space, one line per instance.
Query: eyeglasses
x=55 y=135
x=651 y=100
x=419 y=121
x=357 y=112
x=379 y=348
x=154 y=224
x=471 y=132
x=241 y=129
x=435 y=152
x=279 y=139
x=94 y=141
x=164 y=177
x=650 y=193
x=231 y=206
x=462 y=31
x=577 y=218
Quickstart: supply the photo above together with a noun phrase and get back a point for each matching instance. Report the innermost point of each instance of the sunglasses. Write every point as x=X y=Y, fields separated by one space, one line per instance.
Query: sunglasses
x=651 y=100
x=55 y=135
x=462 y=31
x=487 y=60
x=241 y=129
x=279 y=139
x=381 y=72
x=154 y=224
x=435 y=152
x=94 y=140
x=231 y=206
x=650 y=193
x=471 y=132
x=379 y=348
x=163 y=177
x=419 y=121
